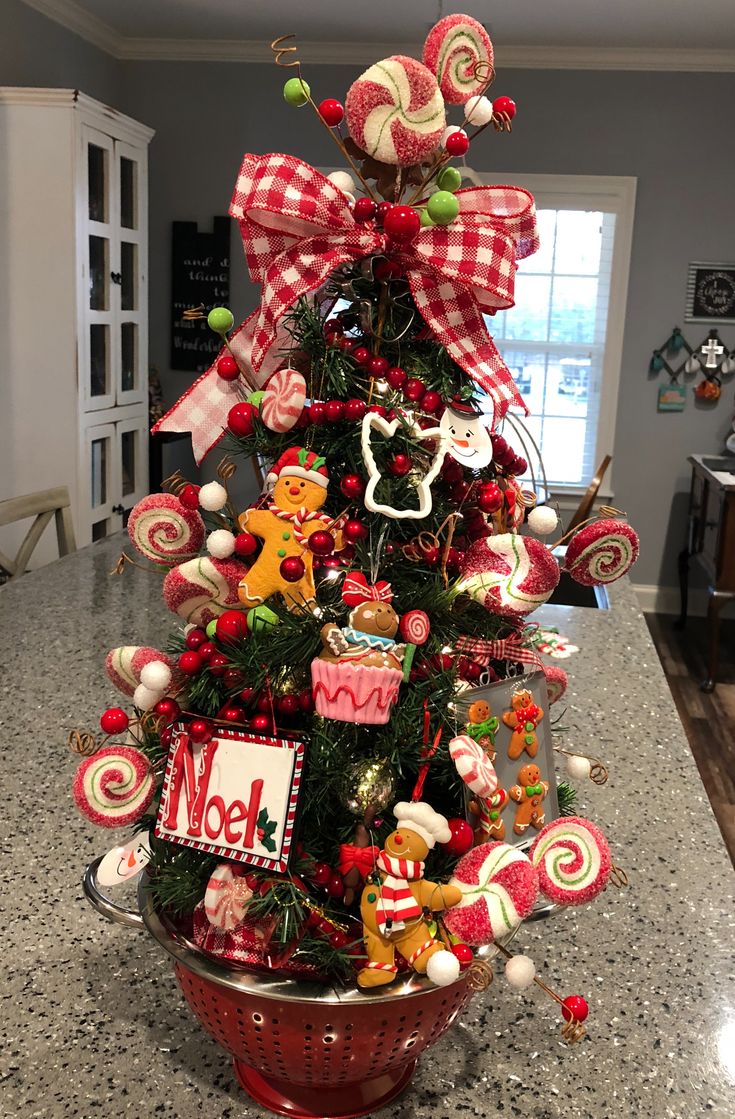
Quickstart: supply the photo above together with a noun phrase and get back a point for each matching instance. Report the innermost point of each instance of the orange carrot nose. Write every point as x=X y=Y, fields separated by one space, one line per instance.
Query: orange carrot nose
x=462 y=442
x=131 y=859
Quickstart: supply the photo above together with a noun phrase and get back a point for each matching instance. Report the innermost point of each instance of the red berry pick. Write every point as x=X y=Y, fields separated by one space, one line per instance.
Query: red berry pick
x=574 y=1006
x=332 y=112
x=114 y=721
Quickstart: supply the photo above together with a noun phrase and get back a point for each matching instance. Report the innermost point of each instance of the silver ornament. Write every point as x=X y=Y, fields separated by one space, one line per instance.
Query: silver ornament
x=367 y=783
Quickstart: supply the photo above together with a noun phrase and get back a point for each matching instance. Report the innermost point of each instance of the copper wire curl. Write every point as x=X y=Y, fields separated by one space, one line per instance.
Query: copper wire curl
x=191 y=314
x=599 y=773
x=280 y=51
x=83 y=742
x=572 y=1031
x=226 y=468
x=479 y=975
x=618 y=877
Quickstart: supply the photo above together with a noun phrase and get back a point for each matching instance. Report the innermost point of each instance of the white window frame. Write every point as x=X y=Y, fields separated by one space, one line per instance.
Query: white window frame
x=611 y=194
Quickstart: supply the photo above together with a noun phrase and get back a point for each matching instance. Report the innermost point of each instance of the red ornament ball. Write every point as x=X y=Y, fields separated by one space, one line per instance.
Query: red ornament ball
x=245 y=544
x=490 y=497
x=355 y=410
x=195 y=638
x=292 y=569
x=189 y=496
x=352 y=486
x=114 y=721
x=414 y=390
x=318 y=412
x=232 y=713
x=457 y=142
x=402 y=224
x=306 y=701
x=378 y=366
x=200 y=730
x=431 y=402
x=383 y=209
x=261 y=723
x=167 y=708
x=464 y=954
x=400 y=465
x=321 y=874
x=321 y=543
x=361 y=355
x=574 y=1006
x=247 y=695
x=364 y=209
x=335 y=886
x=287 y=705
x=232 y=678
x=332 y=112
x=218 y=664
x=354 y=531
x=338 y=939
x=462 y=837
x=396 y=377
x=190 y=663
x=505 y=105
x=227 y=368
x=335 y=411
x=232 y=625
x=240 y=419
x=207 y=650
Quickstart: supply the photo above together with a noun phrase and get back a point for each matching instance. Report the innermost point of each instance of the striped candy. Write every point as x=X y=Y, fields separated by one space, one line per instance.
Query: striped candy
x=114 y=787
x=557 y=682
x=283 y=400
x=573 y=860
x=395 y=111
x=227 y=898
x=473 y=765
x=509 y=574
x=165 y=531
x=415 y=627
x=499 y=887
x=124 y=664
x=601 y=552
x=203 y=588
x=459 y=51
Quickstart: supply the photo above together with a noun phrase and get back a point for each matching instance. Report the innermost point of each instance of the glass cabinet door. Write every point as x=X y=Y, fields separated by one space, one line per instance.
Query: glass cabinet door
x=132 y=455
x=132 y=382
x=100 y=468
x=98 y=252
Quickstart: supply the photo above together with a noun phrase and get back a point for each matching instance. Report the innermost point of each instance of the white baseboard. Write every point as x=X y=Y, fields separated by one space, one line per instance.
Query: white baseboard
x=653 y=599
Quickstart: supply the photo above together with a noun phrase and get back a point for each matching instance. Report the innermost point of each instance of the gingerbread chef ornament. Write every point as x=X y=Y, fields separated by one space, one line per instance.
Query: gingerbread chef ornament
x=297 y=485
x=397 y=898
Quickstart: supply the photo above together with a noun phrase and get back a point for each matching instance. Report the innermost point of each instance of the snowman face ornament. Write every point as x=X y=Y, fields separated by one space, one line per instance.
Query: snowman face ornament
x=468 y=435
x=124 y=862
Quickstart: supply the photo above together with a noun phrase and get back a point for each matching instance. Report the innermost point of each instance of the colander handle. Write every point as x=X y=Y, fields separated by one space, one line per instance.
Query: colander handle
x=109 y=909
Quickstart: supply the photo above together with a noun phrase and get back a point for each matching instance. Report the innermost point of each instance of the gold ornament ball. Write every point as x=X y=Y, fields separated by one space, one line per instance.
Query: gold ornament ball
x=367 y=783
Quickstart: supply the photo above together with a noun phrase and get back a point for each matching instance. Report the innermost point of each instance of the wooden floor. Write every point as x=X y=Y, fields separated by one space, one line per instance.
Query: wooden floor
x=709 y=720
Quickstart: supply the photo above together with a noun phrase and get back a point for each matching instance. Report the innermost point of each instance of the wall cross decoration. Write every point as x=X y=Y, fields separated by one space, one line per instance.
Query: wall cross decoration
x=676 y=357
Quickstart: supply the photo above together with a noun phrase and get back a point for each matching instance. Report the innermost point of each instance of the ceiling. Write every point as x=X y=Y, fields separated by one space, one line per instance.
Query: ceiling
x=627 y=34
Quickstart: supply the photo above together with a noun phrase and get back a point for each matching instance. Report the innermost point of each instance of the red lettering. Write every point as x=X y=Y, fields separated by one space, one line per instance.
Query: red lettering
x=196 y=785
x=256 y=790
x=236 y=813
x=217 y=803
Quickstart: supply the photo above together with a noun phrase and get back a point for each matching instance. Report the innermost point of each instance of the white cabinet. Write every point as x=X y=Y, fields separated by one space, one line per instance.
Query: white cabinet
x=73 y=286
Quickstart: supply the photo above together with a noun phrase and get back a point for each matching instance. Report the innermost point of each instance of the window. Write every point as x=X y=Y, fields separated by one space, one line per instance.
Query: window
x=563 y=340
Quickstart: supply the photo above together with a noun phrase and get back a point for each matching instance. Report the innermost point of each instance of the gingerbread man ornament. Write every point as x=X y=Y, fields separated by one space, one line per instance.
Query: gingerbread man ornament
x=523 y=718
x=529 y=796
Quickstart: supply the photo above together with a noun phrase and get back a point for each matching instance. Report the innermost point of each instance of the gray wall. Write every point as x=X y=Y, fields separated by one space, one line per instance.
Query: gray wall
x=652 y=126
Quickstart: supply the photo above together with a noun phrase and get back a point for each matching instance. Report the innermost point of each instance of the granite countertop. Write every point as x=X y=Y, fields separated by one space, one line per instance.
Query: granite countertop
x=93 y=1022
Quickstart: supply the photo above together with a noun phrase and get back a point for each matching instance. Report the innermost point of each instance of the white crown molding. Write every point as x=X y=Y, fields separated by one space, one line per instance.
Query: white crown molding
x=100 y=34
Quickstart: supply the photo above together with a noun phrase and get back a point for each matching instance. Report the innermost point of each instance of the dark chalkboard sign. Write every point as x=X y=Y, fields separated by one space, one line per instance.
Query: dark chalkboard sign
x=200 y=274
x=711 y=293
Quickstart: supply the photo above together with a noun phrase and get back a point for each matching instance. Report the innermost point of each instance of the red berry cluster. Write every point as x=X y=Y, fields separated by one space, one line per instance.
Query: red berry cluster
x=506 y=458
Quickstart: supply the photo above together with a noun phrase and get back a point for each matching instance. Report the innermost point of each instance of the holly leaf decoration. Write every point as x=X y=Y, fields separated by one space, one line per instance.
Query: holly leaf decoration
x=266 y=828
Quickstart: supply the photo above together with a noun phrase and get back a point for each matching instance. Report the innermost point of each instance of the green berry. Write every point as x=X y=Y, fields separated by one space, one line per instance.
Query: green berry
x=296 y=92
x=261 y=619
x=256 y=398
x=443 y=207
x=425 y=218
x=211 y=628
x=450 y=179
x=220 y=320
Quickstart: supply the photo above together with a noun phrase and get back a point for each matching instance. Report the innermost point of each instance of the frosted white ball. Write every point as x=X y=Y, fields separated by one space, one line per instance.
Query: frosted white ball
x=443 y=968
x=145 y=698
x=520 y=971
x=542 y=520
x=212 y=497
x=220 y=543
x=578 y=768
x=156 y=675
x=479 y=110
x=342 y=181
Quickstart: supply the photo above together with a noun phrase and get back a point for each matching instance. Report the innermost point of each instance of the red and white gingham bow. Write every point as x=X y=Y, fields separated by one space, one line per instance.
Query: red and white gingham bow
x=297 y=227
x=511 y=648
x=356 y=590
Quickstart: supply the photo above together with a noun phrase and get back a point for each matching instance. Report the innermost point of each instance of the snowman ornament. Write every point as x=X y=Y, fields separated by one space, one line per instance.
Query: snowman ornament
x=467 y=431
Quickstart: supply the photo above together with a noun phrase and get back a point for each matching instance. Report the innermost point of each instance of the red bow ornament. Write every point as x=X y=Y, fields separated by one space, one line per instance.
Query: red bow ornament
x=357 y=590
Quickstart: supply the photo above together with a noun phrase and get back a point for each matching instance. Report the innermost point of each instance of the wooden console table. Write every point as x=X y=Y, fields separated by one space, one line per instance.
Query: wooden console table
x=711 y=541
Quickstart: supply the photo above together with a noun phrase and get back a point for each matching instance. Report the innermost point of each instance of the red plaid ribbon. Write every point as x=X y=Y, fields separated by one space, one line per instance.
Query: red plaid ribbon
x=297 y=227
x=512 y=648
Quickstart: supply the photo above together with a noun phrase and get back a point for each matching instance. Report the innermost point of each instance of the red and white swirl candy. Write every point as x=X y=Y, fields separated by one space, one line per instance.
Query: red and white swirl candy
x=283 y=400
x=124 y=665
x=557 y=682
x=459 y=51
x=499 y=887
x=415 y=627
x=395 y=111
x=473 y=766
x=509 y=574
x=227 y=898
x=573 y=860
x=165 y=531
x=602 y=552
x=203 y=588
x=114 y=787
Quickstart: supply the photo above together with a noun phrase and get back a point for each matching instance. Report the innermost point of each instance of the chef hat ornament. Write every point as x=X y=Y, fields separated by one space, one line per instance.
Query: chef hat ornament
x=467 y=431
x=420 y=817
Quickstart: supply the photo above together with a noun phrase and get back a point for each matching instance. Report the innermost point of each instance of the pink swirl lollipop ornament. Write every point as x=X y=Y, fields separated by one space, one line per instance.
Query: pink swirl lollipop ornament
x=573 y=860
x=459 y=51
x=165 y=531
x=114 y=787
x=473 y=766
x=499 y=887
x=395 y=111
x=602 y=552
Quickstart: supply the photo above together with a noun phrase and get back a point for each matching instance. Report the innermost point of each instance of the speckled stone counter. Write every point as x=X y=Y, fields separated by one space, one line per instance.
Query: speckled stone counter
x=93 y=1023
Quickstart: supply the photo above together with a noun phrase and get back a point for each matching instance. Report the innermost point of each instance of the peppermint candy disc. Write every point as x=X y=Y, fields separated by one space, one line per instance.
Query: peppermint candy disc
x=227 y=898
x=509 y=574
x=395 y=111
x=499 y=887
x=415 y=627
x=601 y=552
x=283 y=400
x=203 y=588
x=573 y=860
x=124 y=665
x=459 y=51
x=473 y=765
x=165 y=531
x=114 y=787
x=557 y=682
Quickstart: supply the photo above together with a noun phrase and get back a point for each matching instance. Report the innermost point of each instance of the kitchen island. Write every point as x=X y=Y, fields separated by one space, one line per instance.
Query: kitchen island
x=94 y=1024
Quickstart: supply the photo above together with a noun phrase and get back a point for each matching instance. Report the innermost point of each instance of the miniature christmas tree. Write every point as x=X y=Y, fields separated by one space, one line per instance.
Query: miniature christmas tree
x=347 y=649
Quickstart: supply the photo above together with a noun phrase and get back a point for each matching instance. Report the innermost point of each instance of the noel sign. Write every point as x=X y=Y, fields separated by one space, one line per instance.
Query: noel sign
x=234 y=796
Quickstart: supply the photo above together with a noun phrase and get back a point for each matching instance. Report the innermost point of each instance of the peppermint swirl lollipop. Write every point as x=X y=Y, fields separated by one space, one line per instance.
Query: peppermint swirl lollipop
x=573 y=860
x=415 y=627
x=283 y=400
x=395 y=111
x=601 y=552
x=114 y=787
x=227 y=898
x=165 y=531
x=499 y=887
x=557 y=682
x=459 y=51
x=473 y=765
